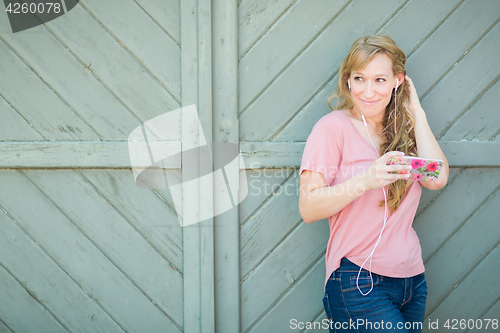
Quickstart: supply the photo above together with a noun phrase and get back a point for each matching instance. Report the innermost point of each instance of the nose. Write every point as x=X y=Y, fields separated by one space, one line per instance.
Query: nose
x=369 y=91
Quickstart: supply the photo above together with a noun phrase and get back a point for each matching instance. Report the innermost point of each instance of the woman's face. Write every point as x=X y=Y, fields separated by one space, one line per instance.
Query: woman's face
x=372 y=86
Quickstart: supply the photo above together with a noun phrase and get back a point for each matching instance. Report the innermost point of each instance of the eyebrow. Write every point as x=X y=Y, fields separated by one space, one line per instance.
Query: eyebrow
x=359 y=73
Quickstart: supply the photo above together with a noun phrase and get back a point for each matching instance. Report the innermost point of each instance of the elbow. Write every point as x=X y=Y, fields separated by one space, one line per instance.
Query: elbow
x=304 y=213
x=441 y=183
x=437 y=185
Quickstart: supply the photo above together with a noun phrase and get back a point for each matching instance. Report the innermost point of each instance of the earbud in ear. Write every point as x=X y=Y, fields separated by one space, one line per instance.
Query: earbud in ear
x=397 y=83
x=349 y=84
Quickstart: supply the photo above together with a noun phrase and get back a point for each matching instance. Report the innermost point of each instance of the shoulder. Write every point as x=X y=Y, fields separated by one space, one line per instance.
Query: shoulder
x=335 y=120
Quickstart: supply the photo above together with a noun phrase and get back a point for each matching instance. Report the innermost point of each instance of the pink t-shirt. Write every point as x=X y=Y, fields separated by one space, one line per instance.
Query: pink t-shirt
x=336 y=149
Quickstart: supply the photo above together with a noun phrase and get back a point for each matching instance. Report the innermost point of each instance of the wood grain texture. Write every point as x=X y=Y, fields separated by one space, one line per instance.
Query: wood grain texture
x=126 y=246
x=468 y=246
x=449 y=42
x=47 y=282
x=256 y=155
x=165 y=13
x=301 y=303
x=81 y=154
x=75 y=84
x=479 y=290
x=452 y=208
x=282 y=44
x=17 y=305
x=478 y=123
x=145 y=40
x=112 y=65
x=37 y=103
x=261 y=184
x=255 y=17
x=416 y=21
x=259 y=236
x=281 y=268
x=197 y=194
x=226 y=129
x=151 y=213
x=93 y=270
x=459 y=88
x=13 y=126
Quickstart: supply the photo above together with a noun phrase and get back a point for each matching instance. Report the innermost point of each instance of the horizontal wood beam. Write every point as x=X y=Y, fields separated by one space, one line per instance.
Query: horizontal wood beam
x=256 y=155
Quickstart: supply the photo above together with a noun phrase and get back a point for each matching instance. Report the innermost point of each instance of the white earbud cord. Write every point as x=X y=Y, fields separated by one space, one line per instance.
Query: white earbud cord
x=386 y=214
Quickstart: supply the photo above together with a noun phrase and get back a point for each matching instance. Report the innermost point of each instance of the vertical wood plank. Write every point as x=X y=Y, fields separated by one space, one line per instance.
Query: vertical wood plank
x=191 y=234
x=225 y=81
x=207 y=279
x=197 y=195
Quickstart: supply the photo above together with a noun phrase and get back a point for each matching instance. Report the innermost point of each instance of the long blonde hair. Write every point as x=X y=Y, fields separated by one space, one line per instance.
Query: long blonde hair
x=362 y=51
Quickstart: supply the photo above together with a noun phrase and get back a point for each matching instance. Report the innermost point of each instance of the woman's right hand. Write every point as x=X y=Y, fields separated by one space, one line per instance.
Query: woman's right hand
x=379 y=173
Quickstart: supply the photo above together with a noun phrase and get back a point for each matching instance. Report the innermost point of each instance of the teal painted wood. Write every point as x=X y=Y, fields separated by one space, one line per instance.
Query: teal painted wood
x=260 y=67
x=259 y=236
x=478 y=123
x=28 y=261
x=4 y=328
x=261 y=183
x=145 y=40
x=299 y=304
x=255 y=17
x=128 y=248
x=447 y=45
x=449 y=99
x=126 y=235
x=424 y=17
x=197 y=195
x=44 y=109
x=78 y=154
x=206 y=190
x=165 y=13
x=13 y=126
x=493 y=312
x=17 y=305
x=284 y=265
x=149 y=212
x=428 y=196
x=112 y=64
x=452 y=207
x=256 y=155
x=226 y=129
x=470 y=247
x=83 y=257
x=74 y=84
x=478 y=291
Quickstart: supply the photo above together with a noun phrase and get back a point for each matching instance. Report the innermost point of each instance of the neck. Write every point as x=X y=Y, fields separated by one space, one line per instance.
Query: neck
x=372 y=122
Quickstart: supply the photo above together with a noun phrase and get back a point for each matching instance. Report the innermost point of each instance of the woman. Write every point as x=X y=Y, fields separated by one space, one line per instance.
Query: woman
x=375 y=273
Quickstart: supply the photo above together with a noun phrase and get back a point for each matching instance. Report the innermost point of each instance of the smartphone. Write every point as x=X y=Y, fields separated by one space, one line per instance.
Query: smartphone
x=423 y=169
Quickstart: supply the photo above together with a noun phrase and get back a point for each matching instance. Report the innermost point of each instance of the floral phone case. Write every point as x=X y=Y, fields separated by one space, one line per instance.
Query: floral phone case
x=423 y=169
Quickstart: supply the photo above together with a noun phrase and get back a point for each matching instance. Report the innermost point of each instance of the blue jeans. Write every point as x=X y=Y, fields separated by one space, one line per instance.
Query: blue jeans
x=394 y=304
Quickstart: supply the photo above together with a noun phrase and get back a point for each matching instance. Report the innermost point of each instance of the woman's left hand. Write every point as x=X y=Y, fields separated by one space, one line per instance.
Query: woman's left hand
x=413 y=104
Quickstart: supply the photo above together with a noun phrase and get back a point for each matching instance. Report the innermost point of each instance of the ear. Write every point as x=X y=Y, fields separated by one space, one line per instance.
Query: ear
x=400 y=79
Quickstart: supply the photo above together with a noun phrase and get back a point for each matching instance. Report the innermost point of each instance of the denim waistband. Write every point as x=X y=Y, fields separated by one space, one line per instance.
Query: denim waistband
x=346 y=263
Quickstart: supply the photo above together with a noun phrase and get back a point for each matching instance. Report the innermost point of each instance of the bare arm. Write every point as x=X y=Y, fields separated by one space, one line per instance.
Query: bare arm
x=318 y=201
x=427 y=144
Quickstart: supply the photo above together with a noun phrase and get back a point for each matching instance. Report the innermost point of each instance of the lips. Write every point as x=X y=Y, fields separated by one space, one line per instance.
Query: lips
x=368 y=102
